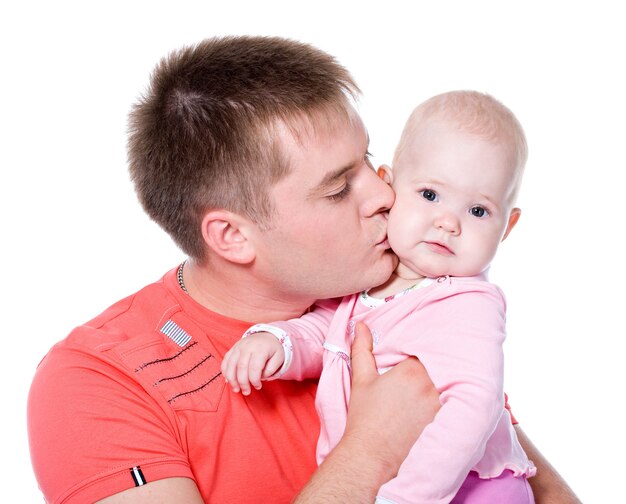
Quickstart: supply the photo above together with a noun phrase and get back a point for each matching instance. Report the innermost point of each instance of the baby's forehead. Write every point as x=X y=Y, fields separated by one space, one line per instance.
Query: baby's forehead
x=437 y=140
x=495 y=124
x=489 y=166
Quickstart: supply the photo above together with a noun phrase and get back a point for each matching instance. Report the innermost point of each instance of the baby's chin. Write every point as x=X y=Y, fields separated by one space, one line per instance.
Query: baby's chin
x=408 y=269
x=433 y=273
x=438 y=273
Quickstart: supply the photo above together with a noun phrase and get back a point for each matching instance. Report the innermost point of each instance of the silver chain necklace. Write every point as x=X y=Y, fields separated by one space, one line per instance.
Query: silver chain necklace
x=179 y=274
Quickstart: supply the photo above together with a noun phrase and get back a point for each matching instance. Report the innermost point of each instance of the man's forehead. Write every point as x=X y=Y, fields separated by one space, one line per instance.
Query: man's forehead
x=331 y=135
x=316 y=126
x=323 y=148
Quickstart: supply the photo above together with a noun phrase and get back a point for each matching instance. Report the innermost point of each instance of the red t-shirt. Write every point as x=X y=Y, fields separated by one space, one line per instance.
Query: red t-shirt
x=137 y=395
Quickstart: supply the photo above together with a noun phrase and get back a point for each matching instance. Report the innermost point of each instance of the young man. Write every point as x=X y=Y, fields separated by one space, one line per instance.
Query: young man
x=247 y=151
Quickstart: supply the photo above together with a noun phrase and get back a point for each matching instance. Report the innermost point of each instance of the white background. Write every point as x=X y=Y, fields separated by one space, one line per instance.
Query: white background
x=74 y=239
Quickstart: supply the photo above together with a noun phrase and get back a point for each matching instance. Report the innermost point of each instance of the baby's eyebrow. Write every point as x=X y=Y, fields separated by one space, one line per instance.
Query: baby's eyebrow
x=428 y=181
x=490 y=200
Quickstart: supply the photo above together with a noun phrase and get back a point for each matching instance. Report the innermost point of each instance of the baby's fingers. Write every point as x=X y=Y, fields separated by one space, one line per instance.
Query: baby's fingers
x=243 y=373
x=273 y=364
x=229 y=368
x=255 y=370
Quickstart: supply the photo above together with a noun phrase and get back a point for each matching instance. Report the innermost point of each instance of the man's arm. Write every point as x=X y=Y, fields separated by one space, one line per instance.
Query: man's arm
x=362 y=462
x=548 y=485
x=378 y=437
x=386 y=415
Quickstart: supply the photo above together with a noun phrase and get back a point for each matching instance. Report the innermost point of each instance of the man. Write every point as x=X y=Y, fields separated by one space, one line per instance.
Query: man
x=247 y=151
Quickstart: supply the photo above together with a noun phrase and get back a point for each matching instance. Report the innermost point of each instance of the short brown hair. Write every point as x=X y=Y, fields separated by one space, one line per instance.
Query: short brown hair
x=202 y=137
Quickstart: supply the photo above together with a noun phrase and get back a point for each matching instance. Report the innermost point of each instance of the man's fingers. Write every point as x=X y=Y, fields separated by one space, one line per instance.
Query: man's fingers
x=363 y=363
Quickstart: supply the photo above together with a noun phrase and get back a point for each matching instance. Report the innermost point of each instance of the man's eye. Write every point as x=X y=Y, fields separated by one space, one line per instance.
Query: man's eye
x=429 y=195
x=341 y=194
x=479 y=211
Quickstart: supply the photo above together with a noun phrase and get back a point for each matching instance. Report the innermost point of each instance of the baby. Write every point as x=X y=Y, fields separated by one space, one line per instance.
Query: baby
x=456 y=174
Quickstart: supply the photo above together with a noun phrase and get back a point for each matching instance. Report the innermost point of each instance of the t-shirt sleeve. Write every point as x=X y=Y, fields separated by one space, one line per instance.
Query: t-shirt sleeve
x=94 y=431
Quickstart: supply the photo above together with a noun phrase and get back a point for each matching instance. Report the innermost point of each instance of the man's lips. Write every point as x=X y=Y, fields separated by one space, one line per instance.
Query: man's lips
x=439 y=248
x=384 y=242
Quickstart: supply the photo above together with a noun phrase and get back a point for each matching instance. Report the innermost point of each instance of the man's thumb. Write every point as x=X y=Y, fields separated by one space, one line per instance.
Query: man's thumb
x=363 y=363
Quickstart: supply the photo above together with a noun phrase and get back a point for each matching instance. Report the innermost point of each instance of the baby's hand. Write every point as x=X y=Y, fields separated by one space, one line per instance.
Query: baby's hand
x=252 y=359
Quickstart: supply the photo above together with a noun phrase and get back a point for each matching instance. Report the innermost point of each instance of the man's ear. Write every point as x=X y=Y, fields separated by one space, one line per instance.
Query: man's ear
x=385 y=173
x=513 y=218
x=226 y=234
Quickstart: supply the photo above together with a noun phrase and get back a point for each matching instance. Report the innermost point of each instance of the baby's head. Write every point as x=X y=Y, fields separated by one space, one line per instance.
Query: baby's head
x=456 y=173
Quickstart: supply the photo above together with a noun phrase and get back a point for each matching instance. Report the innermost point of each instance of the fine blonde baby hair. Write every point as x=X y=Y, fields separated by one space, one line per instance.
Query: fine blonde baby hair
x=473 y=112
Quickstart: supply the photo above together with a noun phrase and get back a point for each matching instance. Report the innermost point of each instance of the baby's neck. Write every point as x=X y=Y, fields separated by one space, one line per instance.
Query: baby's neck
x=395 y=284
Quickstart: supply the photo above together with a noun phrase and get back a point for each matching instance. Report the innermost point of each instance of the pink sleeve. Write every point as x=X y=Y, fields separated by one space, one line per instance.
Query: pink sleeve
x=459 y=341
x=306 y=336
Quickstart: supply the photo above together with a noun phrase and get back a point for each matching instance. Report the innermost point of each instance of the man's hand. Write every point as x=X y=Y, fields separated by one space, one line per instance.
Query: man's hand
x=386 y=415
x=388 y=412
x=548 y=485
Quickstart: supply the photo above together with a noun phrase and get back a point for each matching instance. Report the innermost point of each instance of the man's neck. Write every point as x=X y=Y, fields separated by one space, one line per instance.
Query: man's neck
x=235 y=293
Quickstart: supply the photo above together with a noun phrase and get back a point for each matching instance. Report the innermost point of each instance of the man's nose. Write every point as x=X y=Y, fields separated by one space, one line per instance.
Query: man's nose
x=379 y=196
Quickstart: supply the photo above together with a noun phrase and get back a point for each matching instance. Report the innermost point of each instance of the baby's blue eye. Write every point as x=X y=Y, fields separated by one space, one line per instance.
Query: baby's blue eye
x=429 y=195
x=478 y=211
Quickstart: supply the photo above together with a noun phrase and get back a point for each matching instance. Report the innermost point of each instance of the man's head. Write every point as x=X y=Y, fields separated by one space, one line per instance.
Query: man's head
x=249 y=153
x=205 y=134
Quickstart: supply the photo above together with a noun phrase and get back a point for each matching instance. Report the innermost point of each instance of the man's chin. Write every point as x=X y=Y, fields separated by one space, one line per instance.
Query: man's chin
x=393 y=264
x=385 y=274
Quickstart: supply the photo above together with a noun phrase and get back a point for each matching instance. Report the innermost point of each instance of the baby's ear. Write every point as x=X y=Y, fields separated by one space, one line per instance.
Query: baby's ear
x=513 y=218
x=385 y=173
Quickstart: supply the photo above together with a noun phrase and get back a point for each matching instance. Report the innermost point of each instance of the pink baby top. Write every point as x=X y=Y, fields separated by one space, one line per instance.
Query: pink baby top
x=456 y=327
